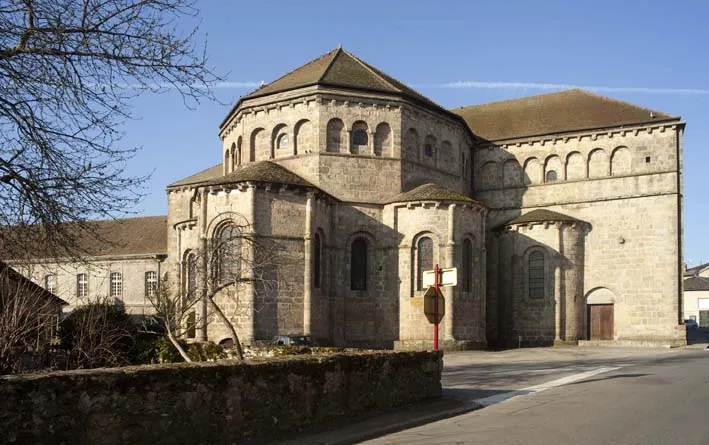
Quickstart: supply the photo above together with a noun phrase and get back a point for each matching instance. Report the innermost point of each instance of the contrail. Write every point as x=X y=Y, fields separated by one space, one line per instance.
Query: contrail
x=561 y=86
x=468 y=84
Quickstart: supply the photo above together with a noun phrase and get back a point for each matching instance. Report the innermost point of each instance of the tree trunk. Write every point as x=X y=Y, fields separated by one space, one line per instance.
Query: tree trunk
x=177 y=345
x=230 y=326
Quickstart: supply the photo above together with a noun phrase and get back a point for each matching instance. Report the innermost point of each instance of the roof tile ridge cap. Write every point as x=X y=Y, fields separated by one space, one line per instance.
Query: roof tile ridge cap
x=515 y=99
x=373 y=71
x=289 y=73
x=622 y=102
x=337 y=51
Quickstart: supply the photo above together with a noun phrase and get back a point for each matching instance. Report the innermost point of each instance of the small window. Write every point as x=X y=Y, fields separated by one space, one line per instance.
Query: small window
x=424 y=259
x=151 y=283
x=647 y=159
x=317 y=256
x=360 y=137
x=283 y=141
x=82 y=285
x=536 y=275
x=116 y=285
x=358 y=266
x=551 y=176
x=191 y=325
x=467 y=268
x=428 y=150
x=190 y=277
x=50 y=282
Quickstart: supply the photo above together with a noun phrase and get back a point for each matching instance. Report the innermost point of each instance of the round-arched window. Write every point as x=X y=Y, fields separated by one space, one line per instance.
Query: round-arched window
x=360 y=137
x=551 y=176
x=283 y=141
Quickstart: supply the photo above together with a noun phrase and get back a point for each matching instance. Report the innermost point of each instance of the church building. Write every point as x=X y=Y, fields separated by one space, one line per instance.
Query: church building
x=562 y=214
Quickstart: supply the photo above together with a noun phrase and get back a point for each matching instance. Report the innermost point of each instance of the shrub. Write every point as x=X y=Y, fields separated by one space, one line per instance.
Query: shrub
x=98 y=334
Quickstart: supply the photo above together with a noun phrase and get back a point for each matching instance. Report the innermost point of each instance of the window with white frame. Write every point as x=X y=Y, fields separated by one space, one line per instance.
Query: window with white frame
x=116 y=284
x=50 y=282
x=82 y=285
x=151 y=283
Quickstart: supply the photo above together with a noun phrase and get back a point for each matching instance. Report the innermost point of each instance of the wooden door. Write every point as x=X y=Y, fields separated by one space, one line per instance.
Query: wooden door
x=600 y=322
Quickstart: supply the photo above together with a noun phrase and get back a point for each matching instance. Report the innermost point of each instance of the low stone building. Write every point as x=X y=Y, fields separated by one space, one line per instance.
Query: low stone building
x=123 y=262
x=546 y=205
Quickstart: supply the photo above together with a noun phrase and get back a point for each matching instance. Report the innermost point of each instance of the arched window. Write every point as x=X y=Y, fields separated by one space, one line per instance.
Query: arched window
x=536 y=275
x=228 y=251
x=424 y=259
x=358 y=271
x=317 y=258
x=428 y=150
x=116 y=289
x=190 y=277
x=360 y=137
x=283 y=141
x=467 y=269
x=551 y=176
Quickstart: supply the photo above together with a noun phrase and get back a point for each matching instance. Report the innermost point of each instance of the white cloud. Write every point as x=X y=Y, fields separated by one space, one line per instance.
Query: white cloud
x=468 y=84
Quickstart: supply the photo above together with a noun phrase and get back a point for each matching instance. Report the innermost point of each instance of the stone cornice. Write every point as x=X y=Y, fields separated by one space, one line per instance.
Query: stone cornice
x=592 y=135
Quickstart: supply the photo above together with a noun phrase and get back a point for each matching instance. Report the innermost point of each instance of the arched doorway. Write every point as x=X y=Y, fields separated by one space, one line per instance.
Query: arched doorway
x=600 y=308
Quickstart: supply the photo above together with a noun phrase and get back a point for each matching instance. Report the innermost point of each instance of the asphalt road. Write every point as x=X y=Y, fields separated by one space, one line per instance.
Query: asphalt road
x=607 y=398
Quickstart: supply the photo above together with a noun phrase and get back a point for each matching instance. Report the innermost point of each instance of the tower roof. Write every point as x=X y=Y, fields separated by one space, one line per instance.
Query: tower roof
x=554 y=113
x=340 y=68
x=540 y=215
x=431 y=192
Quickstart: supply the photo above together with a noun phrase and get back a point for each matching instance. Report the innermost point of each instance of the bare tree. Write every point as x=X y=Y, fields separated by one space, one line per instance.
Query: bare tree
x=175 y=313
x=98 y=333
x=28 y=318
x=229 y=276
x=68 y=70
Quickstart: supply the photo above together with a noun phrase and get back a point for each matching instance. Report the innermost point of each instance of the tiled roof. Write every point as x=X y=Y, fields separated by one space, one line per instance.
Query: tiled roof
x=554 y=113
x=541 y=215
x=205 y=175
x=146 y=235
x=262 y=171
x=695 y=270
x=696 y=283
x=431 y=192
x=340 y=68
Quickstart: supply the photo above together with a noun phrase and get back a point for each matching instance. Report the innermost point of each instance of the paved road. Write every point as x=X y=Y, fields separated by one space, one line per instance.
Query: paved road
x=574 y=397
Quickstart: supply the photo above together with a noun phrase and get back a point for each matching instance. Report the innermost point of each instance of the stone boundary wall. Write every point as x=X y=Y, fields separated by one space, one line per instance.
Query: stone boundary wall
x=213 y=402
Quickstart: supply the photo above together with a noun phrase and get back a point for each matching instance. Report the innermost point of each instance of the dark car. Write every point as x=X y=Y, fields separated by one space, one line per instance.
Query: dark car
x=293 y=340
x=691 y=324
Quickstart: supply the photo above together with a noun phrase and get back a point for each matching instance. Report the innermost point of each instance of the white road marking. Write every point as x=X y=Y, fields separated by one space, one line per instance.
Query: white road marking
x=497 y=398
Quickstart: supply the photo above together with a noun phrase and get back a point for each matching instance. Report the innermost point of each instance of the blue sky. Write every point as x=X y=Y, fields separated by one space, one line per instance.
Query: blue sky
x=649 y=53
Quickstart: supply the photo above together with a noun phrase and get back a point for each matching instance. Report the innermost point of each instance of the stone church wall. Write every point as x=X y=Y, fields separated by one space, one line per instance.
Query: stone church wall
x=626 y=188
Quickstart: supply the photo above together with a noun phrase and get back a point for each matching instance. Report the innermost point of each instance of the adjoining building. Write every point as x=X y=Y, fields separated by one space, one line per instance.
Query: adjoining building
x=547 y=206
x=123 y=262
x=696 y=295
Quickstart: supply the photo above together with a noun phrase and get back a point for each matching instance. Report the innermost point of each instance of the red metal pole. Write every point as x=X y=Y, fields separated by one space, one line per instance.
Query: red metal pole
x=435 y=308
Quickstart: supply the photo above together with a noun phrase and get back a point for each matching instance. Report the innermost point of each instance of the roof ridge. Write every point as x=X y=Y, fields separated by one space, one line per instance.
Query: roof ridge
x=338 y=51
x=514 y=99
x=322 y=56
x=618 y=101
x=373 y=71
